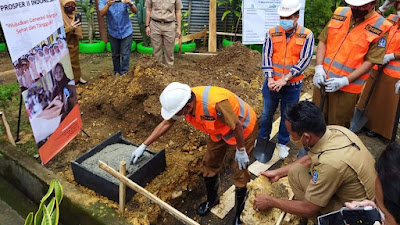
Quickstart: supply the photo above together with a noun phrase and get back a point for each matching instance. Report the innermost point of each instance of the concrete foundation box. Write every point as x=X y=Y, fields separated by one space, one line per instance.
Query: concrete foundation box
x=146 y=169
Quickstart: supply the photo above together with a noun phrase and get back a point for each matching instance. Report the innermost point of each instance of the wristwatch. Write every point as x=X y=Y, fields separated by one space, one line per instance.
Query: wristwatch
x=286 y=78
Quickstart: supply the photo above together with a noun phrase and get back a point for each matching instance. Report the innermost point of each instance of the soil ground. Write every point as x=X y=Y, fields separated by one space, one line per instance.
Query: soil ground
x=130 y=104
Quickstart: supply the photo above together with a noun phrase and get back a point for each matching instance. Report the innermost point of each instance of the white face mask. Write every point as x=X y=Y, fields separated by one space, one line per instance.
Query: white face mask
x=398 y=13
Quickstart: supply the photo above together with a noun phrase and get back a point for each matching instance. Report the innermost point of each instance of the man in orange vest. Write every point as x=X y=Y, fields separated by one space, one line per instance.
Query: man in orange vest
x=227 y=119
x=287 y=52
x=382 y=107
x=352 y=42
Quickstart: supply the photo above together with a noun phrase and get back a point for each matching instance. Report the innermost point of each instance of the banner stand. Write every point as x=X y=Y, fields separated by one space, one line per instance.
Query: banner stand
x=19 y=118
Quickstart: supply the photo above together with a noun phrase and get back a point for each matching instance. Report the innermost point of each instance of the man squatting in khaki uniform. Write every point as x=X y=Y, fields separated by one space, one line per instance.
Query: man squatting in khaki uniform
x=338 y=168
x=160 y=27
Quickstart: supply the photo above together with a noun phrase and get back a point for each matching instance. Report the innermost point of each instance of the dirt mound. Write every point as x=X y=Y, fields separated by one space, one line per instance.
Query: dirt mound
x=130 y=104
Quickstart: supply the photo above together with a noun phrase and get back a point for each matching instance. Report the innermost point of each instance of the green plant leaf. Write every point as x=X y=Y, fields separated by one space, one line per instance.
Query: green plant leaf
x=55 y=215
x=58 y=191
x=50 y=206
x=51 y=188
x=46 y=217
x=237 y=14
x=29 y=219
x=91 y=9
x=225 y=14
x=39 y=214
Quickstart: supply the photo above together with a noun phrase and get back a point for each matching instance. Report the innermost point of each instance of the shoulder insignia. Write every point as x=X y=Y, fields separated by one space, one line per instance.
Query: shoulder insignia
x=382 y=43
x=314 y=175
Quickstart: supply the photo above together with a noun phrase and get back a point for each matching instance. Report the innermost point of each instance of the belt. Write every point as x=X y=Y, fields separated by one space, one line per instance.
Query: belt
x=162 y=21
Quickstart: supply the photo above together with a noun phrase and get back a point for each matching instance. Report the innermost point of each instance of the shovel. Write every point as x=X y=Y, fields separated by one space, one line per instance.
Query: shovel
x=396 y=122
x=359 y=119
x=323 y=97
x=263 y=151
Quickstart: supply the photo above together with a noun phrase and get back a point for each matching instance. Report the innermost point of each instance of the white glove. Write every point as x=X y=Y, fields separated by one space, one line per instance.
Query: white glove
x=319 y=76
x=387 y=58
x=397 y=87
x=242 y=158
x=334 y=84
x=137 y=153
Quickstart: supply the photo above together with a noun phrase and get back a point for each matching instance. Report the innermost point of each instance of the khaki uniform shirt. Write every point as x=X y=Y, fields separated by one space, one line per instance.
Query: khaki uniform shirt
x=342 y=167
x=164 y=10
x=374 y=55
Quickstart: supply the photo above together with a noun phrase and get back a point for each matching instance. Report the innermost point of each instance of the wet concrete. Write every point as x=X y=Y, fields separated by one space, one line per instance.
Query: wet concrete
x=112 y=155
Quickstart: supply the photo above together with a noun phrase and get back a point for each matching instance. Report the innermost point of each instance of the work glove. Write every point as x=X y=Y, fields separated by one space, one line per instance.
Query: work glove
x=319 y=76
x=137 y=153
x=242 y=158
x=397 y=87
x=334 y=84
x=387 y=58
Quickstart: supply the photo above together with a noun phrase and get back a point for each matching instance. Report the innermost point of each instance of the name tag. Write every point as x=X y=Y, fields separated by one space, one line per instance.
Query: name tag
x=339 y=17
x=207 y=118
x=373 y=30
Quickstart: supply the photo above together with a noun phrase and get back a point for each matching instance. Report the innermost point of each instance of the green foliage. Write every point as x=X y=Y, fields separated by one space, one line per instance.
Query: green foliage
x=7 y=91
x=318 y=14
x=233 y=7
x=88 y=8
x=184 y=25
x=48 y=214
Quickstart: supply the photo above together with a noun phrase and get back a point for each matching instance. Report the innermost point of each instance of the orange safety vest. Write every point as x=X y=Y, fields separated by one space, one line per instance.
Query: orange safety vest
x=205 y=117
x=286 y=54
x=393 y=67
x=345 y=50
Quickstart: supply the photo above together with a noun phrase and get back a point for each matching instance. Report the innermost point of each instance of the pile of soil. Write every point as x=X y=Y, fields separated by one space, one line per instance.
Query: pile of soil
x=130 y=104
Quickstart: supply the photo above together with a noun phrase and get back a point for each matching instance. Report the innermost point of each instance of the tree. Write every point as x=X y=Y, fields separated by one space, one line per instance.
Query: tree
x=317 y=15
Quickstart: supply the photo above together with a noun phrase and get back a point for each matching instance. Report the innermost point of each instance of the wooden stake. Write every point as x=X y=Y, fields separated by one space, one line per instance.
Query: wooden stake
x=283 y=214
x=212 y=40
x=180 y=216
x=122 y=188
x=7 y=128
x=7 y=72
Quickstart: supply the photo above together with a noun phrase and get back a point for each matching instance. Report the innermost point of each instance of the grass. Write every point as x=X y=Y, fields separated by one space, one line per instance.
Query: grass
x=9 y=104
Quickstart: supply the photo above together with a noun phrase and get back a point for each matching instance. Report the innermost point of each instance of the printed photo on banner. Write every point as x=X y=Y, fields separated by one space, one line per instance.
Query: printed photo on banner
x=50 y=99
x=39 y=60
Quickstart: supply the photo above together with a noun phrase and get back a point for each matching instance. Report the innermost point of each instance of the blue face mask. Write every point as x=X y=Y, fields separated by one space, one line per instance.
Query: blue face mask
x=286 y=24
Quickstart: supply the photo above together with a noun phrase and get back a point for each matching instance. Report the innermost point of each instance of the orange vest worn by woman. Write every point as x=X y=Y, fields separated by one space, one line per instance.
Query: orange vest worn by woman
x=205 y=117
x=345 y=50
x=287 y=54
x=393 y=67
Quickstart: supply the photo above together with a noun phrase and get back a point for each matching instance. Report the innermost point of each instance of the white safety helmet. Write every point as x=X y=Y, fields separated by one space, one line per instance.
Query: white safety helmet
x=288 y=7
x=358 y=2
x=173 y=98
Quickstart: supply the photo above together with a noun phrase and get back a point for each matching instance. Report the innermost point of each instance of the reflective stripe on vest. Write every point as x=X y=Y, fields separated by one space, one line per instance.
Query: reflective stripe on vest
x=393 y=67
x=286 y=54
x=392 y=18
x=342 y=58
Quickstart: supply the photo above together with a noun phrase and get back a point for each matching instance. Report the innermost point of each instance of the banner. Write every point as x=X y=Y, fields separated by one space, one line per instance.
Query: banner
x=36 y=40
x=259 y=16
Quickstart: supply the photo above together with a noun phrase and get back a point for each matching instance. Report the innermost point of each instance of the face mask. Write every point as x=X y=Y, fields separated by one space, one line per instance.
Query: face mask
x=398 y=13
x=359 y=13
x=69 y=9
x=298 y=143
x=286 y=24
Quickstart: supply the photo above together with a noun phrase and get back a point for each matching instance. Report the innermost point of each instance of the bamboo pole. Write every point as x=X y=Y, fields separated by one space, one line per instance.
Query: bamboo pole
x=283 y=213
x=212 y=40
x=7 y=129
x=174 y=212
x=122 y=188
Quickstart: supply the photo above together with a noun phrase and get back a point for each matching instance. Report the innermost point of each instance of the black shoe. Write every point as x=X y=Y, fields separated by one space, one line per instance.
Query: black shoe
x=263 y=150
x=240 y=194
x=212 y=195
x=303 y=221
x=370 y=133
